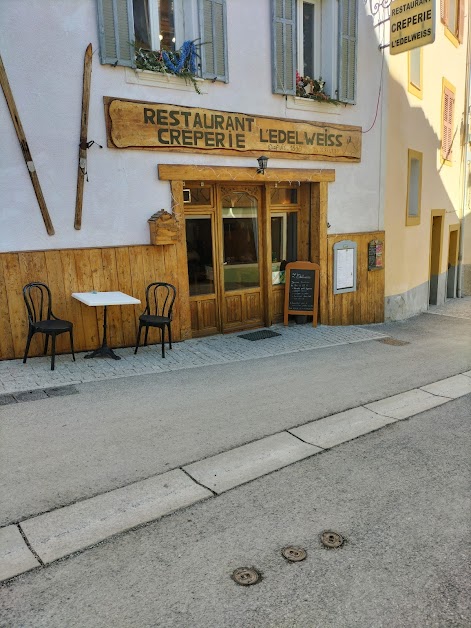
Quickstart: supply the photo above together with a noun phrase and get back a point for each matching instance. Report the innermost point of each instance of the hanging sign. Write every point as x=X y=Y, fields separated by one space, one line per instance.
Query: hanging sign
x=302 y=290
x=157 y=126
x=412 y=25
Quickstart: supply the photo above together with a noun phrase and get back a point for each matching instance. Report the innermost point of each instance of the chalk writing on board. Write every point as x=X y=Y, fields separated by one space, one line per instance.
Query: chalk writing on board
x=301 y=290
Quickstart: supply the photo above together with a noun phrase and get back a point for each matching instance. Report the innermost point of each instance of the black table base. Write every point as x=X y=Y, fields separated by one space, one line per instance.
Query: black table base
x=104 y=351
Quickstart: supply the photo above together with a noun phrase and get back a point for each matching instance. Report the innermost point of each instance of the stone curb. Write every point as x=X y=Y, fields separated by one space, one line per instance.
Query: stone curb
x=72 y=528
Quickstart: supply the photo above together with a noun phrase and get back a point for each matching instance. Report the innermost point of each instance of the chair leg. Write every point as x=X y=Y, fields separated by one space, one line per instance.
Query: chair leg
x=28 y=342
x=169 y=336
x=138 y=339
x=46 y=343
x=162 y=335
x=53 y=358
x=145 y=337
x=71 y=333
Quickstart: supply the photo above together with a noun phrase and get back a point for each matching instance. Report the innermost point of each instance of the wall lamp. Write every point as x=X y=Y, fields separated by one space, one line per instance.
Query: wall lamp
x=262 y=164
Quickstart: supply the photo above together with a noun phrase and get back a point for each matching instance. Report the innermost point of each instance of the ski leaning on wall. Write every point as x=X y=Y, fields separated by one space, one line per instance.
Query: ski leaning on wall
x=25 y=148
x=83 y=146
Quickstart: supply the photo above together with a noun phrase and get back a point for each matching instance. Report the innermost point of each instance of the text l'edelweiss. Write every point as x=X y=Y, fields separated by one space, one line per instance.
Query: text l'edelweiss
x=225 y=131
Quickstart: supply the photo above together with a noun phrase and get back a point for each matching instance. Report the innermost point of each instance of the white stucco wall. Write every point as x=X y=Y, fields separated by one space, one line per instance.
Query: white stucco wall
x=42 y=43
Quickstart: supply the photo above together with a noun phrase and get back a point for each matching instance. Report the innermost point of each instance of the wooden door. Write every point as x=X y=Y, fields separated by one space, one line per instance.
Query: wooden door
x=203 y=277
x=242 y=273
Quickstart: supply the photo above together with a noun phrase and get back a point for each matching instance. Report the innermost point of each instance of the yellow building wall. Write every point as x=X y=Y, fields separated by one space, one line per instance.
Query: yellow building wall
x=416 y=123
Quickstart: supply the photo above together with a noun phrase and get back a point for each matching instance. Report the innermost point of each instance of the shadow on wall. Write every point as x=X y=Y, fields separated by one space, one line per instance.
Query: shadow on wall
x=423 y=241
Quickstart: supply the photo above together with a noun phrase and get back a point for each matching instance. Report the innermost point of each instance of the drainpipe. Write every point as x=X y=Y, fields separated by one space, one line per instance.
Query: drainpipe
x=459 y=291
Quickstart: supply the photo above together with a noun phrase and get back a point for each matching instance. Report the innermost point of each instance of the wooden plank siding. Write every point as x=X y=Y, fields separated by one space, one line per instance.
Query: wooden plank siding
x=366 y=304
x=128 y=269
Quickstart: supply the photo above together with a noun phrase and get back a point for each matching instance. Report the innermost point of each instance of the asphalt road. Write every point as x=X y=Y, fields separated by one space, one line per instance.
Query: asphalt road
x=399 y=495
x=56 y=451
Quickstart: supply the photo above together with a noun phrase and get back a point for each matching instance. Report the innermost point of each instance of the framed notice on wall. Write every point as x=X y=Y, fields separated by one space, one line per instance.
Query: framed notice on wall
x=302 y=290
x=345 y=266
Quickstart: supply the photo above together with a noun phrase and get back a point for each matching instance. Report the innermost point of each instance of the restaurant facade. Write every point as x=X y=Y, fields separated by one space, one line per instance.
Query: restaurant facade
x=262 y=142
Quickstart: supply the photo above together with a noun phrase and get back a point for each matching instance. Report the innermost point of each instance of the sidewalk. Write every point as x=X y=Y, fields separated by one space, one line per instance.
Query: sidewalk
x=36 y=374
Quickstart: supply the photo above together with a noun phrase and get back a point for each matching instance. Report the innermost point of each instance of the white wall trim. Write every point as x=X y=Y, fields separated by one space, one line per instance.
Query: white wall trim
x=159 y=79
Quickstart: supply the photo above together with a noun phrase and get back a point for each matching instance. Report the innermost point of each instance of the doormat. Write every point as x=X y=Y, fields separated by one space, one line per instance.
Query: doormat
x=259 y=335
x=393 y=341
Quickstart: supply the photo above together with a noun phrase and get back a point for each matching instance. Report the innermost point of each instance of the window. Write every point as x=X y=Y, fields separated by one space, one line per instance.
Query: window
x=452 y=15
x=414 y=187
x=448 y=110
x=166 y=24
x=415 y=72
x=297 y=45
x=284 y=242
x=309 y=40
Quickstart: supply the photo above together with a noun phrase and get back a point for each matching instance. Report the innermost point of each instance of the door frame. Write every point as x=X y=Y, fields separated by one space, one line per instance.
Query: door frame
x=436 y=250
x=179 y=174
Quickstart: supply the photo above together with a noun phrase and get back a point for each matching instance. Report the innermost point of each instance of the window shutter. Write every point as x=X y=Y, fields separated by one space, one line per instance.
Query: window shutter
x=116 y=32
x=284 y=46
x=447 y=126
x=347 y=54
x=460 y=20
x=213 y=26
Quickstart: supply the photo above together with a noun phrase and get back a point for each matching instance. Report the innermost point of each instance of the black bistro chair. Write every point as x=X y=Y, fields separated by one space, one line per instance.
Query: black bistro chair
x=160 y=298
x=38 y=301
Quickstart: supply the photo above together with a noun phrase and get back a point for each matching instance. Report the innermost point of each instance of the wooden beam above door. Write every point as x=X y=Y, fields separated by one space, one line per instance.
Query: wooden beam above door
x=170 y=172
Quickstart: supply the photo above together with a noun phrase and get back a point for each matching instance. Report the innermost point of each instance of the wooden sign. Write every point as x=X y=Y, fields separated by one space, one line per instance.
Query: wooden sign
x=302 y=290
x=163 y=228
x=157 y=126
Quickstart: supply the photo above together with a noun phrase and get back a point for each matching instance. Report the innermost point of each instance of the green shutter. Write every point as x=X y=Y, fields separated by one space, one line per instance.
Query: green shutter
x=116 y=32
x=284 y=46
x=347 y=54
x=213 y=26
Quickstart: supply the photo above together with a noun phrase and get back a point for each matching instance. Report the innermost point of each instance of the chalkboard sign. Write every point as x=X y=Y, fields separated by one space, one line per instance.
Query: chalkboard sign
x=302 y=290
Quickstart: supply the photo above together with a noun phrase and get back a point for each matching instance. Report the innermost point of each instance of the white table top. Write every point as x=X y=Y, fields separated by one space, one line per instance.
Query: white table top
x=104 y=298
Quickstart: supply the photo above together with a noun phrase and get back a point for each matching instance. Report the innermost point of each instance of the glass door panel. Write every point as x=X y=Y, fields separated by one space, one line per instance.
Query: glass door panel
x=199 y=246
x=240 y=242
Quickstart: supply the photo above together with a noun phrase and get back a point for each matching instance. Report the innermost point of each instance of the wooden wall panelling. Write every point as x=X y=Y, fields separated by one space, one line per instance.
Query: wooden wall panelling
x=314 y=253
x=366 y=304
x=266 y=260
x=170 y=253
x=92 y=334
x=16 y=304
x=33 y=268
x=110 y=275
x=7 y=349
x=181 y=258
x=60 y=300
x=303 y=223
x=70 y=285
x=129 y=317
x=323 y=255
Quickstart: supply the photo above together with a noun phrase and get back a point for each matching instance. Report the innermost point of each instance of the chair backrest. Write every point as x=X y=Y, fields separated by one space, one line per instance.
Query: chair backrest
x=160 y=298
x=38 y=301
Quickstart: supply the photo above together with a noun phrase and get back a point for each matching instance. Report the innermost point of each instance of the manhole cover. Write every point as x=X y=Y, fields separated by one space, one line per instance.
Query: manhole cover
x=294 y=554
x=393 y=342
x=259 y=335
x=332 y=539
x=246 y=576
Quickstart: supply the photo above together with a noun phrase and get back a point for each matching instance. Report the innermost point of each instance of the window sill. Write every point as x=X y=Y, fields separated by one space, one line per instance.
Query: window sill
x=158 y=79
x=305 y=104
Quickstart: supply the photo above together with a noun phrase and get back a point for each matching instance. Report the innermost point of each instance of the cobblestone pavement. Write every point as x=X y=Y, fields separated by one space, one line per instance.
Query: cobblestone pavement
x=221 y=349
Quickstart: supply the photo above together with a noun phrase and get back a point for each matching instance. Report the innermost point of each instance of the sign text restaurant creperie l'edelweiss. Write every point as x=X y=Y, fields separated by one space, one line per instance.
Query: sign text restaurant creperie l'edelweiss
x=156 y=126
